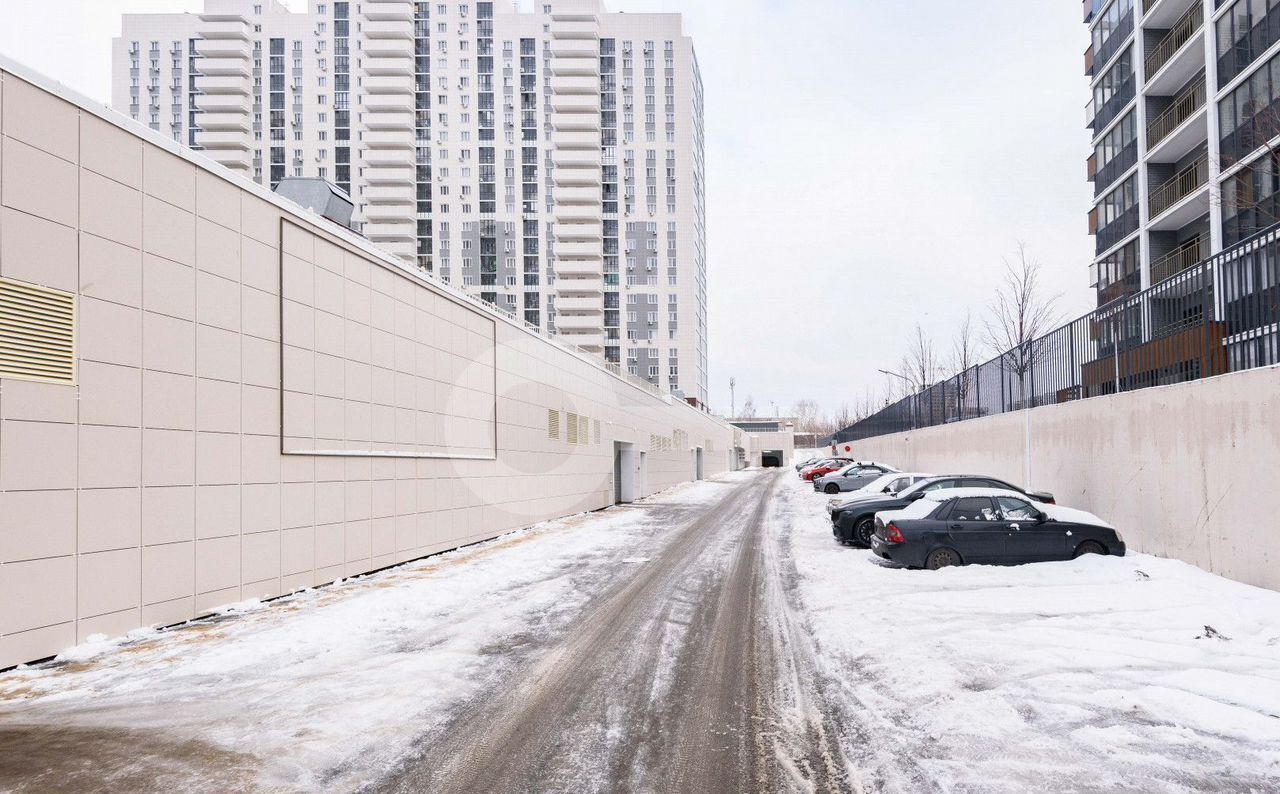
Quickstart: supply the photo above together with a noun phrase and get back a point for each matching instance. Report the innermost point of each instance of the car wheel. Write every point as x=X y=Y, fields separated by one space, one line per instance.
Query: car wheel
x=1088 y=547
x=942 y=558
x=832 y=488
x=864 y=530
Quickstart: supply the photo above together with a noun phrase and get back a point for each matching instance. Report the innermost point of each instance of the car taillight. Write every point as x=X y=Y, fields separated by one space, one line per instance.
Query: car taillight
x=893 y=535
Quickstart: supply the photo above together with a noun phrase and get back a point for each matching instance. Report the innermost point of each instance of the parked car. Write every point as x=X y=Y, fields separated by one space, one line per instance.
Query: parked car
x=824 y=467
x=991 y=526
x=855 y=523
x=851 y=477
x=888 y=484
x=807 y=462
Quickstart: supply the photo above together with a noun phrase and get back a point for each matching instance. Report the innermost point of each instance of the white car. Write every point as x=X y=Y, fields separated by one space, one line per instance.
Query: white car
x=886 y=484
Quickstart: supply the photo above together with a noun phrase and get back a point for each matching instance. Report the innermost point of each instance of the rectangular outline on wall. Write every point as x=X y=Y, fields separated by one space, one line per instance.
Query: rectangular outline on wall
x=417 y=283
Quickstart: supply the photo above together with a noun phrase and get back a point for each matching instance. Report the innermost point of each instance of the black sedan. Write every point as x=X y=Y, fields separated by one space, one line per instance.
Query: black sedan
x=855 y=523
x=988 y=526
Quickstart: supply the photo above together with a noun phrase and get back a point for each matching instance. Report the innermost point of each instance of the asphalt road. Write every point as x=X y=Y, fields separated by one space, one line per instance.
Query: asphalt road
x=688 y=675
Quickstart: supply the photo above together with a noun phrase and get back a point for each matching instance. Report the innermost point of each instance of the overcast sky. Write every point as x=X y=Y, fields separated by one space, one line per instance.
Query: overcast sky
x=870 y=162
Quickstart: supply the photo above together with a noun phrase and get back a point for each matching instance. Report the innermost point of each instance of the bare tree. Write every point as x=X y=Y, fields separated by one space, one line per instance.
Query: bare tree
x=749 y=408
x=1019 y=317
x=808 y=416
x=920 y=364
x=842 y=417
x=964 y=349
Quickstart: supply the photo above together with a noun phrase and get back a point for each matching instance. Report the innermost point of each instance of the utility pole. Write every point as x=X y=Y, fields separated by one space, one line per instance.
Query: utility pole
x=733 y=403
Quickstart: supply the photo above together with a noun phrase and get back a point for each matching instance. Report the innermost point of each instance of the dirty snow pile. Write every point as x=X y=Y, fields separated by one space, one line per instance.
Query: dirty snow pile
x=1100 y=674
x=327 y=688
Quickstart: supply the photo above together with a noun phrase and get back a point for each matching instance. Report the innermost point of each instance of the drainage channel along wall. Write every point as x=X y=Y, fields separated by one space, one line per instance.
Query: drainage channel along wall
x=1187 y=471
x=208 y=395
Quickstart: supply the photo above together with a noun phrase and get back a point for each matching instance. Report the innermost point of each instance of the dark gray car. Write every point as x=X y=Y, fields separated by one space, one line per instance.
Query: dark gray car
x=851 y=477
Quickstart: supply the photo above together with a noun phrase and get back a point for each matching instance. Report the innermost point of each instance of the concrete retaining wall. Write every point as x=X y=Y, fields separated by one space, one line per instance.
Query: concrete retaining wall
x=233 y=433
x=1189 y=471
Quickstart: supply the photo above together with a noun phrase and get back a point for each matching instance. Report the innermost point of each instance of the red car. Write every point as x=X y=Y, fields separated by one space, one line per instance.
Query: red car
x=824 y=467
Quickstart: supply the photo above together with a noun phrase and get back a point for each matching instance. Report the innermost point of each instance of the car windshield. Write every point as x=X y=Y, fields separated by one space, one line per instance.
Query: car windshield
x=922 y=484
x=878 y=484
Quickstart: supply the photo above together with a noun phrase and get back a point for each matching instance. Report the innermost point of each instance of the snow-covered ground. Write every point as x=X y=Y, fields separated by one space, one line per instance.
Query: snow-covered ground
x=328 y=688
x=1101 y=674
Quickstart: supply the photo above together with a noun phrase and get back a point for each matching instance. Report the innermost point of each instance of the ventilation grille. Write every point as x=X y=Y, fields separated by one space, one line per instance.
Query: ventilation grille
x=597 y=428
x=553 y=424
x=573 y=427
x=37 y=333
x=584 y=430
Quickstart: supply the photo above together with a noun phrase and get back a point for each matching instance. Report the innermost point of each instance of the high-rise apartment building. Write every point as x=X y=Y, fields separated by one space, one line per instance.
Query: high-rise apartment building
x=1185 y=107
x=550 y=162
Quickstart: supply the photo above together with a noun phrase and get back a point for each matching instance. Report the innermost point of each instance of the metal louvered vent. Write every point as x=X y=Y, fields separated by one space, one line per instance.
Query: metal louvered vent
x=584 y=430
x=573 y=427
x=37 y=333
x=597 y=428
x=553 y=424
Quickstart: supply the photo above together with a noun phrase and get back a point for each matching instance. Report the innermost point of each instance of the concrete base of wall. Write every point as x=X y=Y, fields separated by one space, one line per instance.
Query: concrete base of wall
x=1187 y=471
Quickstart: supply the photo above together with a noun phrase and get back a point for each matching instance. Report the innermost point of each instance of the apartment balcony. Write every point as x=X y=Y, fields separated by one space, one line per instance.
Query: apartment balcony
x=397 y=64
x=223 y=139
x=1109 y=235
x=578 y=139
x=1120 y=164
x=592 y=341
x=580 y=285
x=229 y=65
x=579 y=267
x=1119 y=35
x=388 y=28
x=397 y=85
x=1178 y=56
x=576 y=29
x=579 y=322
x=589 y=230
x=583 y=175
x=389 y=193
x=390 y=47
x=391 y=10
x=576 y=103
x=582 y=64
x=1237 y=56
x=224 y=27
x=398 y=118
x=588 y=195
x=1182 y=198
x=388 y=139
x=1181 y=127
x=575 y=48
x=580 y=122
x=575 y=84
x=231 y=159
x=569 y=249
x=391 y=221
x=576 y=158
x=1164 y=14
x=227 y=120
x=580 y=304
x=571 y=10
x=390 y=173
x=222 y=84
x=1097 y=117
x=224 y=103
x=223 y=48
x=1184 y=257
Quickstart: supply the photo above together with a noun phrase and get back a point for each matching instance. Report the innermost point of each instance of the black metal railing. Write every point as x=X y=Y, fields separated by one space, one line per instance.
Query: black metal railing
x=1221 y=315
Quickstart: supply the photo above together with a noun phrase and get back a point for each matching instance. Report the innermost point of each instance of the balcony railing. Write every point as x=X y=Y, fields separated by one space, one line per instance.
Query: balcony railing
x=1186 y=182
x=1178 y=35
x=1184 y=257
x=1184 y=107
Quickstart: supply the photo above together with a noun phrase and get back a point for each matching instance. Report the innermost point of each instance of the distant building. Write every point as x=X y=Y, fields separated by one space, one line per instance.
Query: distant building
x=549 y=162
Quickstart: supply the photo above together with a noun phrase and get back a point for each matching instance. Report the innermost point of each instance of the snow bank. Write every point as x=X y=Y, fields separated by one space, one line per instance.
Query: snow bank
x=1100 y=674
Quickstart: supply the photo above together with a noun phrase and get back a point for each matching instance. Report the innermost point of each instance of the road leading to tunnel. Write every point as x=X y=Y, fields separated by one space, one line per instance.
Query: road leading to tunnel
x=683 y=676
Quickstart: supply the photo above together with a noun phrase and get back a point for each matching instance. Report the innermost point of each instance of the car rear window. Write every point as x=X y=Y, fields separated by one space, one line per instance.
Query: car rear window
x=973 y=508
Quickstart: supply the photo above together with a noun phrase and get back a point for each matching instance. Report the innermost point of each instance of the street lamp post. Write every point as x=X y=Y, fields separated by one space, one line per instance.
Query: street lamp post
x=909 y=384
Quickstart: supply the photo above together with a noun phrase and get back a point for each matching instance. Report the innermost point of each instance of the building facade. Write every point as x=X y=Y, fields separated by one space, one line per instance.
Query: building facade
x=1183 y=114
x=550 y=162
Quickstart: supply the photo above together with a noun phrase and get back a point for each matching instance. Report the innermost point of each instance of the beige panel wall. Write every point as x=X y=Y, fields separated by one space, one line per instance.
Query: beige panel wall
x=155 y=489
x=1186 y=471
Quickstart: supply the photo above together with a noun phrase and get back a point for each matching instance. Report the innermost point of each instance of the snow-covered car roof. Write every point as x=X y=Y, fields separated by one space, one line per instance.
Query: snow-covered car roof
x=871 y=489
x=1055 y=512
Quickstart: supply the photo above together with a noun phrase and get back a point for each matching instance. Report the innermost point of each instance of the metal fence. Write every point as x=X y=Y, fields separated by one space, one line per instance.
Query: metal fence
x=1218 y=316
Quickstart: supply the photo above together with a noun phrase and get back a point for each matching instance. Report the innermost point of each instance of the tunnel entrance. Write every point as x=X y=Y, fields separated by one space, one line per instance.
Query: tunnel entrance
x=771 y=460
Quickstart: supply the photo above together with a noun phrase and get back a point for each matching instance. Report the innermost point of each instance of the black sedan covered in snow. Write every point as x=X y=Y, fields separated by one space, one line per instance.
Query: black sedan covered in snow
x=855 y=522
x=988 y=526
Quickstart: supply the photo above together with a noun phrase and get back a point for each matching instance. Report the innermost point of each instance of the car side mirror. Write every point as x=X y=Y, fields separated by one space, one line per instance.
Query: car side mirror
x=916 y=495
x=1041 y=517
x=887 y=489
